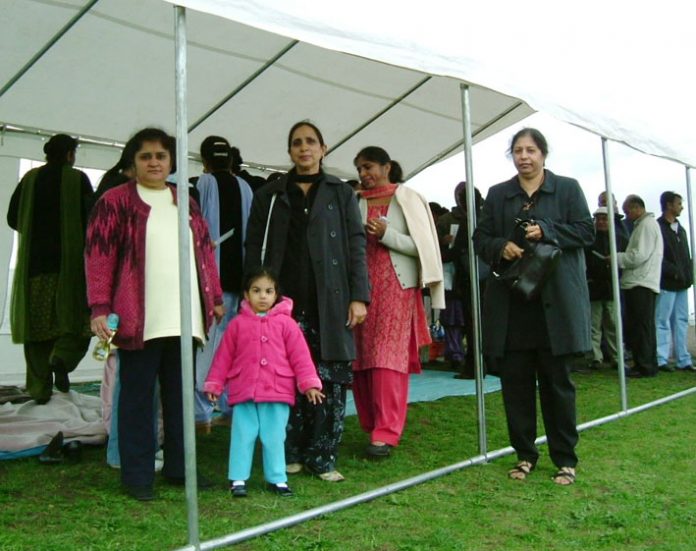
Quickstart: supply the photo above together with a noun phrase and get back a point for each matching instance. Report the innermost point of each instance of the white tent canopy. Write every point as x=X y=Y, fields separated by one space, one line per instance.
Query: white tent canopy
x=621 y=69
x=111 y=73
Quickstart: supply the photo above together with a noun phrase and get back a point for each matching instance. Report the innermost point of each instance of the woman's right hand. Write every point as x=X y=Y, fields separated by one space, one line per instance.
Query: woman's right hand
x=100 y=328
x=511 y=251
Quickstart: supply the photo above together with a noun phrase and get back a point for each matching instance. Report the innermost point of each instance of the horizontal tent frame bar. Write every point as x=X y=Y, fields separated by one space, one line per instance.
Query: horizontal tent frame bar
x=310 y=514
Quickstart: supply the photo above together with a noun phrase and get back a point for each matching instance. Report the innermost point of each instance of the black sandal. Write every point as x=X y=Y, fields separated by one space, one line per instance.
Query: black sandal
x=564 y=474
x=523 y=469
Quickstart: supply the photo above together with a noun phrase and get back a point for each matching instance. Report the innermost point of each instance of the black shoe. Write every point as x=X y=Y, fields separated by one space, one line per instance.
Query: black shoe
x=595 y=365
x=203 y=482
x=238 y=490
x=378 y=451
x=60 y=375
x=666 y=368
x=468 y=375
x=456 y=365
x=579 y=369
x=282 y=490
x=42 y=401
x=54 y=451
x=141 y=493
x=73 y=450
x=635 y=373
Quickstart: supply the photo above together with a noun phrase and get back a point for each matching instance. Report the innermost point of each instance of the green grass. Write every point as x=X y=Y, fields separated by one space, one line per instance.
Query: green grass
x=635 y=489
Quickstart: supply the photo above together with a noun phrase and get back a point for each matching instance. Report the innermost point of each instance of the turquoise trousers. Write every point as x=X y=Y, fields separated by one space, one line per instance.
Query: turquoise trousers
x=266 y=421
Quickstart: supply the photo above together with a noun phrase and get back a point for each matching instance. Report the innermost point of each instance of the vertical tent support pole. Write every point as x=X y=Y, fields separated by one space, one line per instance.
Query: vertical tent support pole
x=473 y=270
x=615 y=277
x=185 y=260
x=690 y=207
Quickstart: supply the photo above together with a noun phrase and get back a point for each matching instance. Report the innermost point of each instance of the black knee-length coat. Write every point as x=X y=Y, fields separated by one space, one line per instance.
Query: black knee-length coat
x=336 y=242
x=563 y=215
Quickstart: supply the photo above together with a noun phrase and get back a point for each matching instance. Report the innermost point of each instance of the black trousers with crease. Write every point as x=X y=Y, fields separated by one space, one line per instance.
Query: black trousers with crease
x=520 y=371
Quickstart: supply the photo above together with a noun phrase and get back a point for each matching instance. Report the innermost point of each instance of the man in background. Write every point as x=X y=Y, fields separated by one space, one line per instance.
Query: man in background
x=640 y=280
x=672 y=307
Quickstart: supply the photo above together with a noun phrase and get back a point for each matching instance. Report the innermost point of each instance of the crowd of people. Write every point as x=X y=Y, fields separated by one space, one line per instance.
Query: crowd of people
x=305 y=286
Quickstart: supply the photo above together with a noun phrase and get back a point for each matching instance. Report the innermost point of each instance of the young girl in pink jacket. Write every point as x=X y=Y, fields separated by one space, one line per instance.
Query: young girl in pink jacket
x=262 y=356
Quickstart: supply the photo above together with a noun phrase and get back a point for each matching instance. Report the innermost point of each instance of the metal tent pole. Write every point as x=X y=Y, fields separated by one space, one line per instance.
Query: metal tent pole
x=690 y=207
x=615 y=277
x=185 y=275
x=473 y=269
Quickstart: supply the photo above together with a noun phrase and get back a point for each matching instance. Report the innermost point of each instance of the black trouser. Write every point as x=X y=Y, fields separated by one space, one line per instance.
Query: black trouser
x=70 y=349
x=315 y=431
x=641 y=334
x=519 y=373
x=138 y=371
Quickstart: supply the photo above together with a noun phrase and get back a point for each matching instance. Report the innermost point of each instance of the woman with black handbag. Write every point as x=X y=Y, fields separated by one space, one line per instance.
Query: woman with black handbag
x=534 y=340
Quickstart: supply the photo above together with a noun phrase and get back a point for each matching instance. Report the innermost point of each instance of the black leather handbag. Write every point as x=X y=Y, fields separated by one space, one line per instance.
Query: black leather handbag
x=527 y=275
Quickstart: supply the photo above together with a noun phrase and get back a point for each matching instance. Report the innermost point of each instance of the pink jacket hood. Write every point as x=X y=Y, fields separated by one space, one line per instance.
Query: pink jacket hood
x=262 y=358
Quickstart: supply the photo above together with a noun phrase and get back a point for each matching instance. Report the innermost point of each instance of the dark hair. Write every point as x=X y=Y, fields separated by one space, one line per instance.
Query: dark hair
x=300 y=124
x=58 y=147
x=236 y=159
x=216 y=153
x=436 y=209
x=462 y=197
x=114 y=176
x=635 y=200
x=136 y=142
x=256 y=274
x=378 y=155
x=668 y=197
x=355 y=184
x=536 y=136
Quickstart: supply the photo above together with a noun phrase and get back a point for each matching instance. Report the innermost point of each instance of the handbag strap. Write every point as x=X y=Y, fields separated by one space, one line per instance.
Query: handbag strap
x=268 y=225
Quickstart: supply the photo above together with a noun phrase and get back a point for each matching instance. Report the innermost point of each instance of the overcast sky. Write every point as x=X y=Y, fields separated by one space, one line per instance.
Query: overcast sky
x=572 y=152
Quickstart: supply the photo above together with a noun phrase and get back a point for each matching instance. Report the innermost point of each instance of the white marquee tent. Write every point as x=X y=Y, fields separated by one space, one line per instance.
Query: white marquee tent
x=385 y=73
x=366 y=72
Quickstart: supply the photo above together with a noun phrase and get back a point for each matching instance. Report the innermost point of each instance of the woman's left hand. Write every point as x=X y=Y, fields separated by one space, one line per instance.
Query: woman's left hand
x=357 y=311
x=533 y=232
x=219 y=312
x=376 y=226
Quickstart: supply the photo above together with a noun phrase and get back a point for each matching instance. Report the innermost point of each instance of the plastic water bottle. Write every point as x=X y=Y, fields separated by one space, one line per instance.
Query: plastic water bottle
x=103 y=347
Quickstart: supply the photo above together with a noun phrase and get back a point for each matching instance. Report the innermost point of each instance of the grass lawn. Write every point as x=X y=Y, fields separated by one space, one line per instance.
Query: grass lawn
x=635 y=489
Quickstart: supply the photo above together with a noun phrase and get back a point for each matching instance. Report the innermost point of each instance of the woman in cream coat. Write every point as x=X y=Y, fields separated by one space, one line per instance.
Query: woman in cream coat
x=402 y=257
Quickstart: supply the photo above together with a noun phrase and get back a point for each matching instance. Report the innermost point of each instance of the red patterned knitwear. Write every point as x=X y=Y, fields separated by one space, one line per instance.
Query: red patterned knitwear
x=115 y=262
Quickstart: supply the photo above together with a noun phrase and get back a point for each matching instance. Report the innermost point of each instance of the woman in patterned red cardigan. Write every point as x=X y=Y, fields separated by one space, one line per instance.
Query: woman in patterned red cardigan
x=131 y=258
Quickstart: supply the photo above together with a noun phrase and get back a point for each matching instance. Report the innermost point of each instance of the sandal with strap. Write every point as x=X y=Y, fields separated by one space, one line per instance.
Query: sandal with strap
x=565 y=476
x=521 y=471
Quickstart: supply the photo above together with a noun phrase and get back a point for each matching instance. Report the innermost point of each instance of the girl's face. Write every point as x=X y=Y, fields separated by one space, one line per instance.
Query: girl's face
x=528 y=158
x=152 y=165
x=261 y=295
x=306 y=151
x=372 y=174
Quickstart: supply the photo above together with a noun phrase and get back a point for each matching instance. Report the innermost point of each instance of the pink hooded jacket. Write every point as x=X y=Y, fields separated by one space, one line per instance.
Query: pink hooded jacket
x=261 y=357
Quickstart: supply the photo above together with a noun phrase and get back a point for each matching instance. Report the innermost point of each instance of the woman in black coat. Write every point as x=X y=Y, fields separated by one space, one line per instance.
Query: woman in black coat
x=315 y=241
x=534 y=341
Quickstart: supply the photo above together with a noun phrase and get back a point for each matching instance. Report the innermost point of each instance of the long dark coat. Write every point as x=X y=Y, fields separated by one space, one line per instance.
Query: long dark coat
x=336 y=241
x=561 y=211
